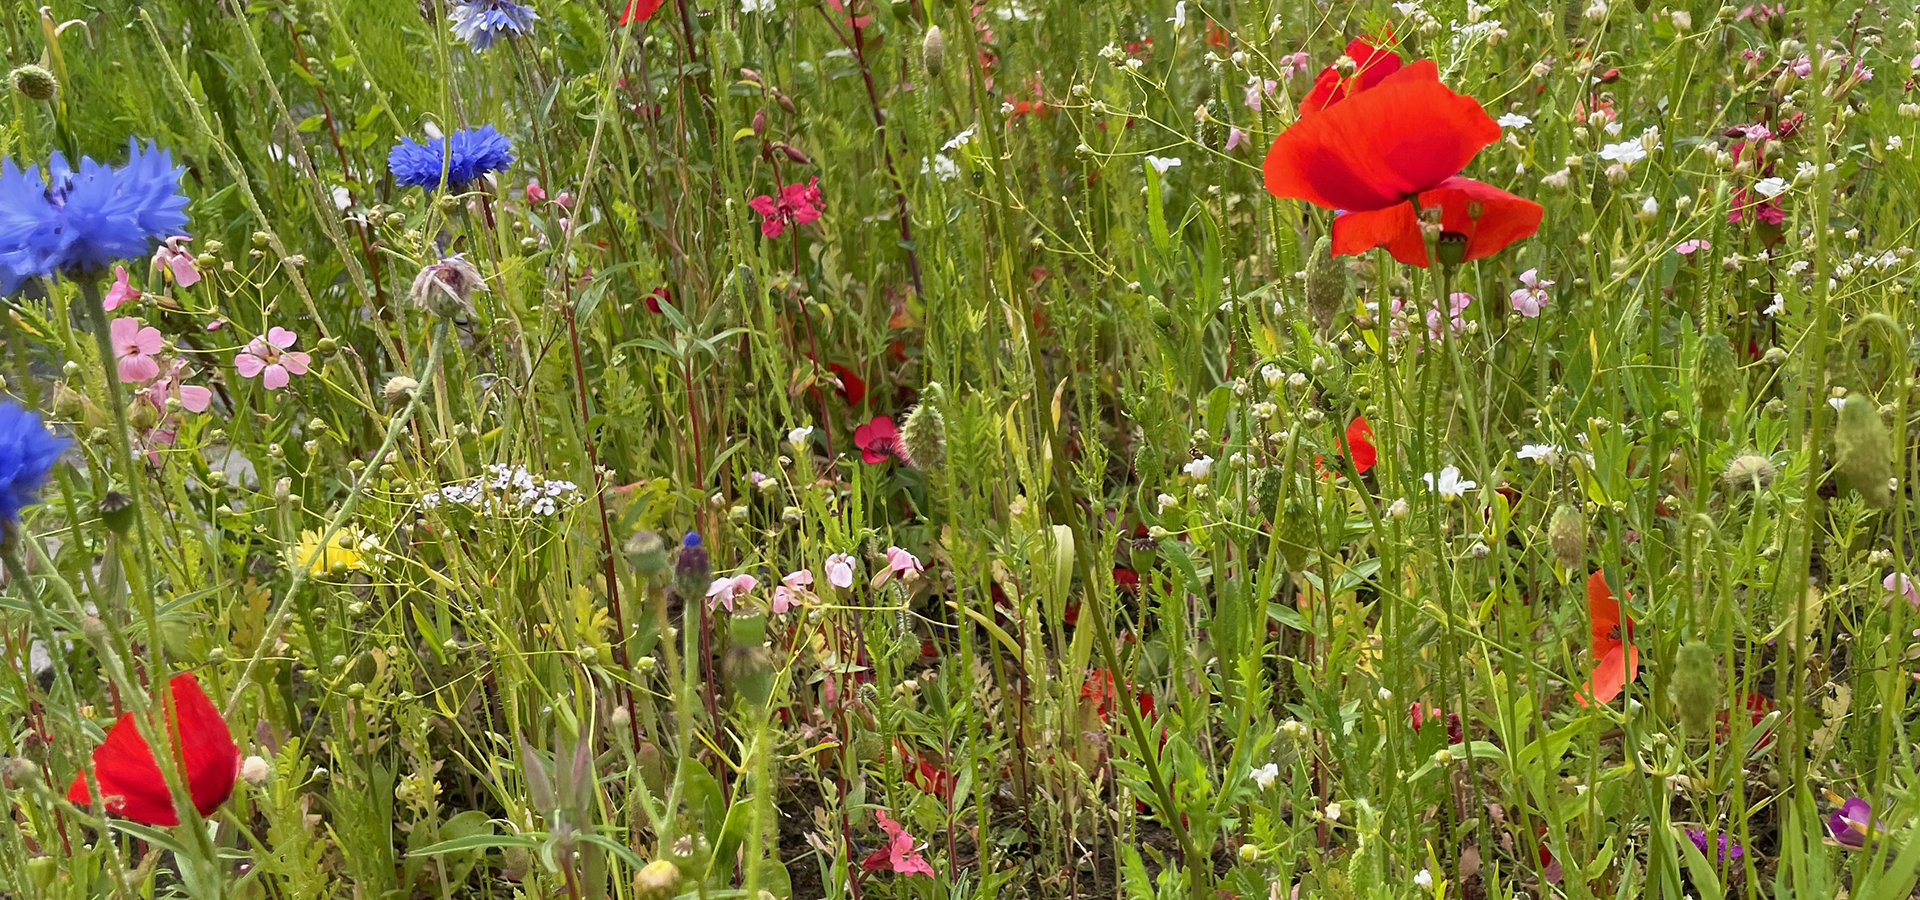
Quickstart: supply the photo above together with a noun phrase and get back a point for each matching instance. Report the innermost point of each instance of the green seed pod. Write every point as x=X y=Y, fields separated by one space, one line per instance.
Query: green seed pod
x=116 y=510
x=924 y=437
x=1695 y=688
x=1714 y=375
x=1864 y=451
x=933 y=51
x=35 y=82
x=1601 y=191
x=1326 y=284
x=1295 y=531
x=1749 y=472
x=1267 y=485
x=659 y=880
x=1567 y=533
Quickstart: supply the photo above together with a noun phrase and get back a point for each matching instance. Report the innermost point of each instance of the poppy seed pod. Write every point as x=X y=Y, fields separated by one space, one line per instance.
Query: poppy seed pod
x=1695 y=688
x=1864 y=451
x=1567 y=534
x=924 y=437
x=1749 y=472
x=446 y=288
x=35 y=82
x=116 y=510
x=399 y=389
x=1326 y=284
x=1714 y=374
x=1295 y=527
x=933 y=51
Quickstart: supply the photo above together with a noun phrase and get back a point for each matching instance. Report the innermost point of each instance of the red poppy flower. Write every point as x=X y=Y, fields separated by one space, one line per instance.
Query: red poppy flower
x=1360 y=444
x=851 y=385
x=1382 y=149
x=878 y=440
x=639 y=11
x=924 y=774
x=657 y=296
x=1758 y=708
x=1125 y=580
x=130 y=777
x=1616 y=659
x=1371 y=65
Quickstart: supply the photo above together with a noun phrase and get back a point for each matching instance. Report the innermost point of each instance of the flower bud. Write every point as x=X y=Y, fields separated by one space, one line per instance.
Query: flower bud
x=1567 y=534
x=35 y=82
x=1749 y=472
x=256 y=771
x=1695 y=688
x=691 y=569
x=933 y=51
x=924 y=437
x=1864 y=451
x=647 y=554
x=116 y=510
x=1715 y=375
x=399 y=390
x=659 y=880
x=1326 y=284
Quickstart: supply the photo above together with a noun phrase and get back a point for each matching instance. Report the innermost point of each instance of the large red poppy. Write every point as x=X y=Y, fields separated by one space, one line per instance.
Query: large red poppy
x=1381 y=149
x=639 y=11
x=879 y=441
x=1360 y=444
x=1616 y=661
x=131 y=779
x=1371 y=65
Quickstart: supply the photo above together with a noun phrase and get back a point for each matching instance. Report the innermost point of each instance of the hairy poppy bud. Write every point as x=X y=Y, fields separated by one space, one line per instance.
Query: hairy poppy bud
x=446 y=287
x=659 y=880
x=1864 y=451
x=933 y=51
x=924 y=437
x=1267 y=486
x=399 y=390
x=1295 y=533
x=1326 y=284
x=1749 y=472
x=35 y=82
x=1714 y=375
x=1567 y=534
x=647 y=553
x=1600 y=192
x=1695 y=688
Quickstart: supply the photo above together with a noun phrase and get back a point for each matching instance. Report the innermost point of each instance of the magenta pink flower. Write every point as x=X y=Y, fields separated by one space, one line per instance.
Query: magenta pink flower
x=173 y=259
x=1692 y=246
x=535 y=193
x=172 y=385
x=268 y=356
x=121 y=292
x=1457 y=304
x=840 y=570
x=1531 y=295
x=134 y=347
x=1898 y=583
x=901 y=855
x=724 y=591
x=798 y=205
x=1295 y=64
x=792 y=591
x=1235 y=137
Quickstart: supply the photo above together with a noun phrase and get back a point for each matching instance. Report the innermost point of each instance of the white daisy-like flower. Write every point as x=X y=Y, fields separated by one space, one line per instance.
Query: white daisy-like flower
x=1546 y=453
x=1449 y=484
x=1625 y=153
x=1514 y=120
x=1162 y=164
x=960 y=140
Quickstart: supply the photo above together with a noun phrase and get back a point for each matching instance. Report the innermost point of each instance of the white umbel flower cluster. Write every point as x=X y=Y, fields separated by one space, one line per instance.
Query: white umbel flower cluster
x=508 y=490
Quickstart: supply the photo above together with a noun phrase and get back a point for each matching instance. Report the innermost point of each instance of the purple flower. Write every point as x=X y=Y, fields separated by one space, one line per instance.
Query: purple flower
x=1852 y=823
x=1728 y=849
x=79 y=221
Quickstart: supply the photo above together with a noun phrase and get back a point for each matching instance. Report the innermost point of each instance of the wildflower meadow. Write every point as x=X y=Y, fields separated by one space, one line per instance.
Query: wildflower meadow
x=913 y=449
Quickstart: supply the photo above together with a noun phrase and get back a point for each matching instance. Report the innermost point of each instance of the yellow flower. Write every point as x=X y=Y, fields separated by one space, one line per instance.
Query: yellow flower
x=342 y=554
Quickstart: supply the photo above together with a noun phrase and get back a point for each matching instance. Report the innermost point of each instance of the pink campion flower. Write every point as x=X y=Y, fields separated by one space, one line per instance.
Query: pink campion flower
x=1235 y=137
x=901 y=855
x=1802 y=66
x=839 y=570
x=134 y=347
x=1457 y=303
x=900 y=564
x=724 y=591
x=792 y=591
x=121 y=293
x=1531 y=295
x=172 y=258
x=1257 y=90
x=1294 y=64
x=1898 y=583
x=879 y=441
x=535 y=193
x=1692 y=246
x=172 y=385
x=798 y=205
x=270 y=358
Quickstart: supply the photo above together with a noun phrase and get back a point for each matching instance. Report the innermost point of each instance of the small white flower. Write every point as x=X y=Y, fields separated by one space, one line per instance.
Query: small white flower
x=1836 y=402
x=941 y=166
x=1894 y=144
x=1135 y=64
x=754 y=6
x=1166 y=502
x=1333 y=812
x=1449 y=484
x=960 y=140
x=1386 y=696
x=1648 y=209
x=1162 y=164
x=1514 y=120
x=1265 y=410
x=1199 y=468
x=1266 y=775
x=798 y=436
x=1771 y=187
x=255 y=770
x=1179 y=18
x=1423 y=880
x=342 y=198
x=1546 y=453
x=1625 y=153
x=1778 y=306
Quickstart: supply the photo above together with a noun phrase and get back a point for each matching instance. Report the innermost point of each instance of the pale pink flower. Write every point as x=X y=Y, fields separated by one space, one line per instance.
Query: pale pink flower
x=724 y=591
x=900 y=564
x=172 y=258
x=269 y=357
x=1898 y=583
x=840 y=571
x=1257 y=89
x=172 y=384
x=1235 y=137
x=1437 y=324
x=1295 y=64
x=535 y=193
x=1532 y=294
x=134 y=347
x=1689 y=247
x=121 y=292
x=792 y=591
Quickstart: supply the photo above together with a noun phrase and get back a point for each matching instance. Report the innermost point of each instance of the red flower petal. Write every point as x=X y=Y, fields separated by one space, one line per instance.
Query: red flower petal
x=1372 y=65
x=1360 y=444
x=878 y=440
x=1603 y=614
x=1610 y=676
x=1394 y=228
x=853 y=387
x=1380 y=146
x=1490 y=217
x=639 y=11
x=1616 y=662
x=130 y=778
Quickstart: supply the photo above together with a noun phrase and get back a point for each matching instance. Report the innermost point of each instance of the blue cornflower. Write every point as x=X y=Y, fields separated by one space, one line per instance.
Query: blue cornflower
x=482 y=22
x=476 y=151
x=27 y=453
x=79 y=222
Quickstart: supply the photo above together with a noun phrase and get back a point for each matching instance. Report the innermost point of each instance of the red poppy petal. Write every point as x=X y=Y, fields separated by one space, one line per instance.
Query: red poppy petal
x=1381 y=146
x=639 y=11
x=1394 y=228
x=1610 y=676
x=853 y=387
x=1360 y=444
x=1502 y=217
x=211 y=758
x=1321 y=95
x=130 y=779
x=1373 y=64
x=1603 y=613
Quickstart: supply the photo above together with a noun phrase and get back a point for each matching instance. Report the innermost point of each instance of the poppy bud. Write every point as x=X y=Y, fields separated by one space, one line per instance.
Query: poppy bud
x=1570 y=11
x=399 y=390
x=933 y=51
x=20 y=774
x=1695 y=688
x=1599 y=193
x=647 y=553
x=659 y=880
x=35 y=82
x=1295 y=532
x=1567 y=534
x=1749 y=472
x=1326 y=284
x=793 y=153
x=1609 y=76
x=1267 y=486
x=1451 y=248
x=116 y=510
x=1714 y=375
x=924 y=437
x=760 y=122
x=1864 y=451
